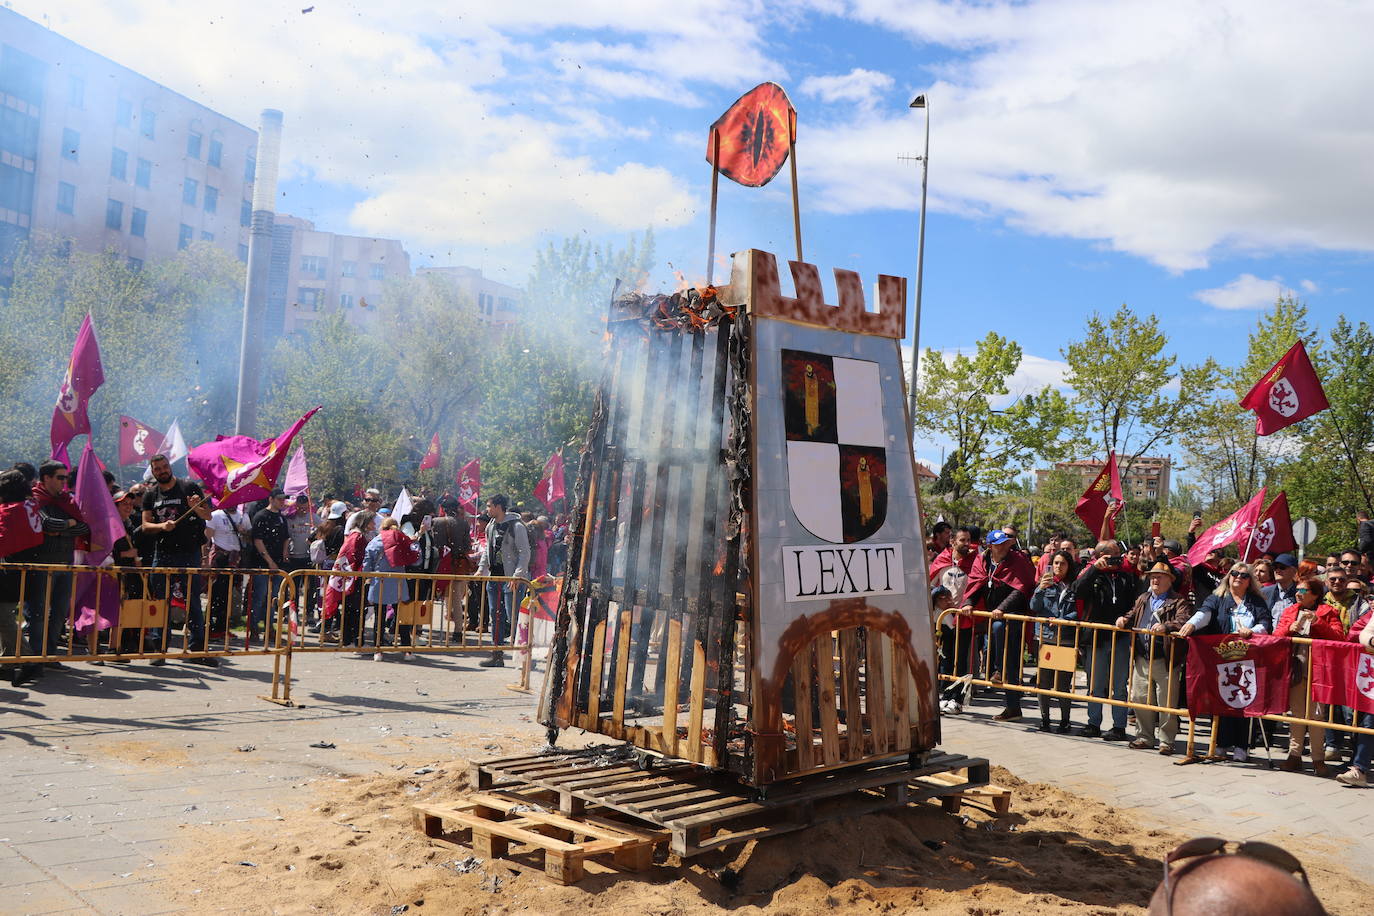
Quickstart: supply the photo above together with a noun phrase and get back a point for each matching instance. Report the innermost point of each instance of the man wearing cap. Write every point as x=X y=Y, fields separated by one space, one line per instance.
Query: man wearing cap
x=271 y=540
x=1156 y=673
x=1001 y=582
x=1282 y=592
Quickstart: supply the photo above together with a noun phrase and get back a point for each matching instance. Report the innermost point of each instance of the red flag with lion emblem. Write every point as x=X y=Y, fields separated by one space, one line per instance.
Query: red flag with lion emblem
x=1274 y=533
x=1231 y=676
x=1287 y=393
x=1342 y=674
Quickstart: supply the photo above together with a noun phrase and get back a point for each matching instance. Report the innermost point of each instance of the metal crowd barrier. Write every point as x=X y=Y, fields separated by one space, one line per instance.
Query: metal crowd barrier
x=990 y=657
x=114 y=615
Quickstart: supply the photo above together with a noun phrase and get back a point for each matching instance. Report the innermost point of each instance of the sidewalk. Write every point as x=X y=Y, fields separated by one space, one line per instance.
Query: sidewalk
x=106 y=765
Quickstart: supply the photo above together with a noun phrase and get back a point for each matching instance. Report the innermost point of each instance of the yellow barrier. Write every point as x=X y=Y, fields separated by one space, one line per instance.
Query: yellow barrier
x=985 y=659
x=129 y=615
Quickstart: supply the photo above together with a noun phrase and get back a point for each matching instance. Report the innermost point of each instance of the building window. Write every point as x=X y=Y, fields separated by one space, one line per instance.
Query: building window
x=143 y=174
x=147 y=122
x=188 y=191
x=71 y=144
x=216 y=153
x=66 y=197
x=211 y=199
x=310 y=297
x=350 y=268
x=114 y=214
x=135 y=264
x=206 y=236
x=138 y=225
x=119 y=164
x=243 y=253
x=376 y=272
x=314 y=264
x=184 y=236
x=345 y=300
x=124 y=113
x=250 y=168
x=245 y=213
x=76 y=92
x=193 y=145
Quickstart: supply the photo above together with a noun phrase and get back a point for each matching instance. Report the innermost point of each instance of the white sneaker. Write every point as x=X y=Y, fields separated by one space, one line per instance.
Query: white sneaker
x=376 y=656
x=1240 y=755
x=1354 y=777
x=956 y=709
x=409 y=657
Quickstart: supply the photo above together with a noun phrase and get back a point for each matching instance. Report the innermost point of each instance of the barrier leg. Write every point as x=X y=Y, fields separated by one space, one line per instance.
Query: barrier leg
x=522 y=634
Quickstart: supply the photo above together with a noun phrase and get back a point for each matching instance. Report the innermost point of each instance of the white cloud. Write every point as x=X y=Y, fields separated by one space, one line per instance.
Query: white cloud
x=1309 y=286
x=1244 y=292
x=859 y=86
x=1167 y=129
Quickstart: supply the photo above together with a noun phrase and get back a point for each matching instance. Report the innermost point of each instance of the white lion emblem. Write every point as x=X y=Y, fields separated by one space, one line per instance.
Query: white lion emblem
x=1283 y=399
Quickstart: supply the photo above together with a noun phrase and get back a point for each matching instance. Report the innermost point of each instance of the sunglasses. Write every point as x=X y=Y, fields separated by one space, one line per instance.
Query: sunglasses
x=60 y=476
x=1240 y=575
x=1350 y=562
x=372 y=499
x=1302 y=591
x=1205 y=846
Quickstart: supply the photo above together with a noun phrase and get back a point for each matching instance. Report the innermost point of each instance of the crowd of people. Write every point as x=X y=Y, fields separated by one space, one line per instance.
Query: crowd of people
x=1145 y=600
x=231 y=563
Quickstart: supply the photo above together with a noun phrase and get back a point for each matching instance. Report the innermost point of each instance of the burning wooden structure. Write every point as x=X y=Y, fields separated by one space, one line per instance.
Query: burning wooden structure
x=747 y=586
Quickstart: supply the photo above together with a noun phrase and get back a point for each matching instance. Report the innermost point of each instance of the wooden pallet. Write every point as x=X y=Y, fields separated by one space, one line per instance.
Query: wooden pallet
x=491 y=823
x=704 y=809
x=953 y=799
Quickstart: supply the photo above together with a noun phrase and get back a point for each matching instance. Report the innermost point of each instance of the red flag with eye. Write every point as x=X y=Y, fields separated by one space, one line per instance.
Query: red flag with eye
x=754 y=135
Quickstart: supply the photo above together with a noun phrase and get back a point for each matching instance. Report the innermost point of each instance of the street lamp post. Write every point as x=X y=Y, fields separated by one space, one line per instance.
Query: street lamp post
x=919 y=102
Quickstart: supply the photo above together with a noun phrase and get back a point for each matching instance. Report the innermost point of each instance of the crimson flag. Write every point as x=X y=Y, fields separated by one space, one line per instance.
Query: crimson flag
x=1342 y=674
x=240 y=469
x=138 y=442
x=1229 y=676
x=469 y=486
x=85 y=374
x=750 y=142
x=20 y=527
x=550 y=489
x=1274 y=533
x=1232 y=529
x=1287 y=393
x=1100 y=503
x=431 y=459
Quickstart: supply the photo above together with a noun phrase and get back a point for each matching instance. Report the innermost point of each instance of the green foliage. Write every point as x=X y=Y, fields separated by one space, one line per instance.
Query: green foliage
x=955 y=400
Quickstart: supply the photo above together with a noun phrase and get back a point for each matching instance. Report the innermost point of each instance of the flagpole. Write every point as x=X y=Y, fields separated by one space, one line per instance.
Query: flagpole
x=715 y=189
x=792 y=158
x=1350 y=456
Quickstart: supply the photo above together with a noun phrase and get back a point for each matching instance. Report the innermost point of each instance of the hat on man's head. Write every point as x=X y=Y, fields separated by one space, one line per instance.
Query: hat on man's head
x=1161 y=566
x=121 y=496
x=279 y=493
x=997 y=537
x=384 y=512
x=338 y=510
x=1173 y=545
x=1286 y=559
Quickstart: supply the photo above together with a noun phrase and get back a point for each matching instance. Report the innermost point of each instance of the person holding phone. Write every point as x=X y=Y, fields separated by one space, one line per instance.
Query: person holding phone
x=1108 y=592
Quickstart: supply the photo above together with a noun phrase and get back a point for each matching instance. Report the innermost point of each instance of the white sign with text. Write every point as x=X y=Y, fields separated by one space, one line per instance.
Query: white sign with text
x=823 y=573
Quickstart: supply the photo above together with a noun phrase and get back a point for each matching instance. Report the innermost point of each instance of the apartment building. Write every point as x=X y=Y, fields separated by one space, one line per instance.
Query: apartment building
x=315 y=273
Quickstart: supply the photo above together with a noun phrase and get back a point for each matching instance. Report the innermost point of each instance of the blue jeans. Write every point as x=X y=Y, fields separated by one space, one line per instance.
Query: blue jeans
x=38 y=606
x=1006 y=648
x=1110 y=657
x=503 y=600
x=1364 y=744
x=158 y=585
x=264 y=590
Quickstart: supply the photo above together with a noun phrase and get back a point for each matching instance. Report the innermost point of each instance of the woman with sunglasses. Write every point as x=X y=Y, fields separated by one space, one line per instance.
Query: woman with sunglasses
x=1236 y=606
x=1309 y=617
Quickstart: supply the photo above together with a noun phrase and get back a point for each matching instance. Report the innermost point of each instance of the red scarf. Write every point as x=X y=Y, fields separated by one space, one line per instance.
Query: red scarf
x=400 y=550
x=1015 y=570
x=62 y=501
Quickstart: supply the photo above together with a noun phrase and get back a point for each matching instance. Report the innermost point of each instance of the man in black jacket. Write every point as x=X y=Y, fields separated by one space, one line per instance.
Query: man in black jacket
x=48 y=595
x=1108 y=592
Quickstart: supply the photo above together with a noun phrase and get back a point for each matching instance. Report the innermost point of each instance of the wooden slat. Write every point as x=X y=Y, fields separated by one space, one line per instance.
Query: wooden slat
x=876 y=687
x=696 y=703
x=855 y=744
x=594 y=688
x=510 y=831
x=672 y=673
x=659 y=800
x=801 y=700
x=825 y=682
x=709 y=808
x=622 y=675
x=711 y=817
x=901 y=709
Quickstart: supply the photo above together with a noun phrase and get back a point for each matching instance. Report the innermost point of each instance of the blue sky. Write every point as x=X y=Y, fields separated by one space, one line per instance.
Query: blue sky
x=1188 y=159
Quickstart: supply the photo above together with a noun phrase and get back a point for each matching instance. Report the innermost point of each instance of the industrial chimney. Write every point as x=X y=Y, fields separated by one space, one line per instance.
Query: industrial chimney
x=253 y=340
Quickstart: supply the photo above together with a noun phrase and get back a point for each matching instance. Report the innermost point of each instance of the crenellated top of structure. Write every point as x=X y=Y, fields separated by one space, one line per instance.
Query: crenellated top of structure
x=754 y=280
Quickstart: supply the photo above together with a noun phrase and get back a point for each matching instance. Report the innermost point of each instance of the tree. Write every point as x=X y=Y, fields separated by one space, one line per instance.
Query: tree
x=1125 y=383
x=955 y=400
